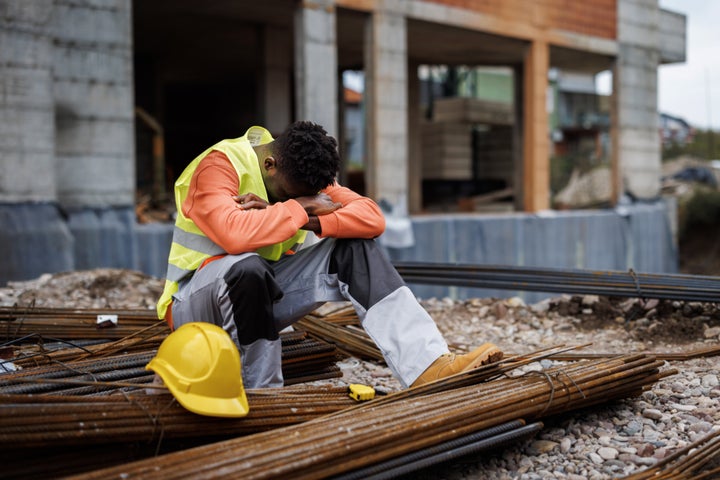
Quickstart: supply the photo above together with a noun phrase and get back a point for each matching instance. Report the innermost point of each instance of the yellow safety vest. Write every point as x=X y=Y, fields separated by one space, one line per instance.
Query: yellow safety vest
x=190 y=246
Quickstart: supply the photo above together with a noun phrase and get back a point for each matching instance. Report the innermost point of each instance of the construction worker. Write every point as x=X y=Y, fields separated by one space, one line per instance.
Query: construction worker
x=244 y=207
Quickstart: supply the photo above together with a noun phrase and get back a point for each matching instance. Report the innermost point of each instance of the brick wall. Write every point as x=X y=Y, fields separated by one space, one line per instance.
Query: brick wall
x=596 y=18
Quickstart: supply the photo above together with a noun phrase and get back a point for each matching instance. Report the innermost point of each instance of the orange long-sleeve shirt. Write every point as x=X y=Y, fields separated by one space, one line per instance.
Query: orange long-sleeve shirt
x=210 y=205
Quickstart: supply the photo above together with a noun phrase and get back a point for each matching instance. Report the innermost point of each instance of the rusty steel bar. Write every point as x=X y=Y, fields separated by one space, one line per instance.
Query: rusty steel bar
x=42 y=421
x=571 y=281
x=373 y=433
x=687 y=462
x=471 y=444
x=347 y=338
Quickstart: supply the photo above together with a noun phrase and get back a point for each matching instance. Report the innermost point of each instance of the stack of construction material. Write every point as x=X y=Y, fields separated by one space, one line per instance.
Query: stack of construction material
x=447 y=141
x=81 y=433
x=387 y=432
x=447 y=151
x=77 y=378
x=82 y=342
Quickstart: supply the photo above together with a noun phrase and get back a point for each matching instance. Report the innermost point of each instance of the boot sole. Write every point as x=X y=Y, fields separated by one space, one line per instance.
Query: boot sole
x=490 y=354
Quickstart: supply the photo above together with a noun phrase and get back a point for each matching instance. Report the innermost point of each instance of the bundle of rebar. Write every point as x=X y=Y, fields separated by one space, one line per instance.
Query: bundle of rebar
x=41 y=421
x=36 y=350
x=378 y=431
x=33 y=427
x=570 y=281
x=303 y=359
x=68 y=323
x=348 y=338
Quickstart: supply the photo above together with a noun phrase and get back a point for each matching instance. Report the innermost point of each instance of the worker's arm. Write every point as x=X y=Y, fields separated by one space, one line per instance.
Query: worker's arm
x=359 y=217
x=211 y=205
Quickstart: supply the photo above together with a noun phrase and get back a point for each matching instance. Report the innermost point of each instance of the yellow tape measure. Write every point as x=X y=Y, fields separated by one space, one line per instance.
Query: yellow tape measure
x=361 y=392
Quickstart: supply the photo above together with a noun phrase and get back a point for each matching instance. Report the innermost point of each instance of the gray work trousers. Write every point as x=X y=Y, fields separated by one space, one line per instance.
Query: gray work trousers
x=253 y=300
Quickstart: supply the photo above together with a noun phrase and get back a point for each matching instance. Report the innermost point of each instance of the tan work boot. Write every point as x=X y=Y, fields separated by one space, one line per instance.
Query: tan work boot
x=450 y=363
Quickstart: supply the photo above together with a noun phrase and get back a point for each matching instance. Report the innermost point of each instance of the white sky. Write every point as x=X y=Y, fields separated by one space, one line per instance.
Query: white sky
x=691 y=90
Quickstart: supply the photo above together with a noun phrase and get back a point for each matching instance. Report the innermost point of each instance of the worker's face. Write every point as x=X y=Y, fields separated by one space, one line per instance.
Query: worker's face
x=279 y=187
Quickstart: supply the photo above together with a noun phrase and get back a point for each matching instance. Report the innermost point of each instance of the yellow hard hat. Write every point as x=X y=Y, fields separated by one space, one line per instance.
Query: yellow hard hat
x=200 y=365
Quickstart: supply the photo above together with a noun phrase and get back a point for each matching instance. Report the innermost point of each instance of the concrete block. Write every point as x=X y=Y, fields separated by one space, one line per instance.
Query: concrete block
x=392 y=65
x=97 y=64
x=634 y=118
x=94 y=136
x=84 y=181
x=24 y=129
x=638 y=56
x=26 y=15
x=79 y=24
x=647 y=160
x=394 y=124
x=24 y=49
x=641 y=35
x=24 y=87
x=390 y=31
x=428 y=10
x=638 y=14
x=673 y=33
x=105 y=101
x=392 y=93
x=318 y=25
x=27 y=176
x=638 y=138
x=99 y=4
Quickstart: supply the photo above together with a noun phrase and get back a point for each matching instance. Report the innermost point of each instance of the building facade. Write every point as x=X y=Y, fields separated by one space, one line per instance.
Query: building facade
x=103 y=98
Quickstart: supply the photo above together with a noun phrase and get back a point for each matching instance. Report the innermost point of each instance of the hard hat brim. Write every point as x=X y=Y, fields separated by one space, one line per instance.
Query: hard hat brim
x=203 y=405
x=213 y=407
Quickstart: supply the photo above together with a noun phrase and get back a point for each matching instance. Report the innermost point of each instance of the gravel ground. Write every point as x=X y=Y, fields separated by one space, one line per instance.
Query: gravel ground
x=604 y=442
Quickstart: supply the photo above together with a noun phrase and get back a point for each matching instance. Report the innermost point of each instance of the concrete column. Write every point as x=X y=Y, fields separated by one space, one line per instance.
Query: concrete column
x=536 y=145
x=316 y=64
x=386 y=94
x=414 y=142
x=276 y=89
x=635 y=90
x=27 y=118
x=93 y=86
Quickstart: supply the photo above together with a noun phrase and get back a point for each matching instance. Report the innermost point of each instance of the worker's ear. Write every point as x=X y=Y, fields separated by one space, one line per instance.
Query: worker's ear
x=270 y=164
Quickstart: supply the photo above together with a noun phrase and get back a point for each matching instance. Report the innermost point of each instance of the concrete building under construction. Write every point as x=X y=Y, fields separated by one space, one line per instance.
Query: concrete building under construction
x=102 y=99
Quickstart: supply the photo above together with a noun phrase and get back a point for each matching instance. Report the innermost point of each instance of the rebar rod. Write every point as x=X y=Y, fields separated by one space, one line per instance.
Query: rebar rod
x=610 y=283
x=43 y=421
x=471 y=444
x=688 y=460
x=372 y=433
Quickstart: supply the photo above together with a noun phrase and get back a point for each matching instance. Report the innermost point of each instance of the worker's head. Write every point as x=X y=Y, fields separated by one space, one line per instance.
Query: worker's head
x=301 y=161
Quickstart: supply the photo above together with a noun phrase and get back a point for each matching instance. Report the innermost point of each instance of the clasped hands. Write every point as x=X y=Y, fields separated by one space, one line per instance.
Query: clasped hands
x=314 y=205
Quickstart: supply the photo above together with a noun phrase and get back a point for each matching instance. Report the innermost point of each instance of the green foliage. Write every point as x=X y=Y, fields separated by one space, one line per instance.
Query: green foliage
x=701 y=210
x=705 y=144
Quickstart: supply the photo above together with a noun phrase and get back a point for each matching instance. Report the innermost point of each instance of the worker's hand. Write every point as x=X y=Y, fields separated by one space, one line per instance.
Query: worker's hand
x=320 y=204
x=313 y=225
x=249 y=201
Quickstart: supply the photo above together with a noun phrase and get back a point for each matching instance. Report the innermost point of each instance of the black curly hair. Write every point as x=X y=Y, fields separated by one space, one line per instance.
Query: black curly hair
x=307 y=155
